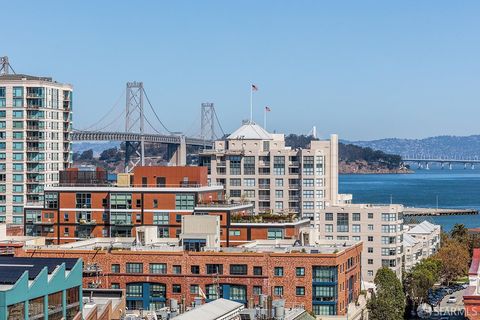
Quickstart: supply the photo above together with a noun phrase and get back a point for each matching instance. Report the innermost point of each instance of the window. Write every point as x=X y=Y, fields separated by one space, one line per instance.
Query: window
x=389 y=240
x=274 y=233
x=177 y=269
x=115 y=268
x=195 y=269
x=17 y=114
x=370 y=250
x=279 y=205
x=134 y=267
x=329 y=228
x=300 y=291
x=178 y=218
x=155 y=203
x=121 y=201
x=235 y=168
x=300 y=271
x=278 y=291
x=184 y=201
x=51 y=200
x=342 y=222
x=386 y=228
x=236 y=182
x=370 y=227
x=238 y=269
x=83 y=200
x=194 y=289
x=176 y=288
x=370 y=261
x=249 y=165
x=257 y=271
x=158 y=268
x=389 y=216
x=278 y=271
x=278 y=165
x=235 y=193
x=257 y=290
x=17 y=145
x=308 y=194
x=370 y=238
x=234 y=233
x=324 y=274
x=278 y=182
x=134 y=290
x=356 y=228
x=370 y=215
x=307 y=166
x=115 y=286
x=308 y=182
x=250 y=182
x=355 y=216
x=328 y=216
x=160 y=218
x=214 y=268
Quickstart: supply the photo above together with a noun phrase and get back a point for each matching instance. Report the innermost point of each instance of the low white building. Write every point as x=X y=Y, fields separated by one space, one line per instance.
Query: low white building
x=420 y=241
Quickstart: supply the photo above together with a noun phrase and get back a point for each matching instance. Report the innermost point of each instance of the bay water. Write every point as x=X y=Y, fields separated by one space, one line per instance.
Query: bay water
x=456 y=188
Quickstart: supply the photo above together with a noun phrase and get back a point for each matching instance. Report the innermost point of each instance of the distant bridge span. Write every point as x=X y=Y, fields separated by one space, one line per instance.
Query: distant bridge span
x=443 y=161
x=129 y=136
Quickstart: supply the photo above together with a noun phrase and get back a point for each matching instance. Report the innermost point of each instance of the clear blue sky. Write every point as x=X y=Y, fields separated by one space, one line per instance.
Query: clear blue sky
x=362 y=69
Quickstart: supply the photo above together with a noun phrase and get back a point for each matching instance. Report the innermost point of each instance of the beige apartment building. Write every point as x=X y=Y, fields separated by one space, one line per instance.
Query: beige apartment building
x=379 y=227
x=35 y=127
x=257 y=166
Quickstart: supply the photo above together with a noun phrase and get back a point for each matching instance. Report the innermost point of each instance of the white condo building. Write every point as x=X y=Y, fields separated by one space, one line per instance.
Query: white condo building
x=379 y=227
x=257 y=166
x=35 y=143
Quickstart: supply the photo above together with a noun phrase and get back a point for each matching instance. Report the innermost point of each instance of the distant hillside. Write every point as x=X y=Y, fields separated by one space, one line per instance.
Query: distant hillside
x=356 y=159
x=440 y=146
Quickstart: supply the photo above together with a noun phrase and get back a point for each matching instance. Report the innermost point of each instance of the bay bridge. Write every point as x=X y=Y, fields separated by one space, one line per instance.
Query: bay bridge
x=137 y=124
x=445 y=162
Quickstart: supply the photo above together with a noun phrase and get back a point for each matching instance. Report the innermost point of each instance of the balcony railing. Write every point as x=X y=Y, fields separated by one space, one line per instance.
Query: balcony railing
x=294 y=186
x=264 y=186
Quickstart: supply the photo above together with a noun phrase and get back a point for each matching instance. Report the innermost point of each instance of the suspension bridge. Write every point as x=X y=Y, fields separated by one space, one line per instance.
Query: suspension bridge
x=141 y=127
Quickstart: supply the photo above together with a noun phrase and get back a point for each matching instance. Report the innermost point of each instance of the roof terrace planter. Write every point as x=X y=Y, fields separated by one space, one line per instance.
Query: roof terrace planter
x=264 y=218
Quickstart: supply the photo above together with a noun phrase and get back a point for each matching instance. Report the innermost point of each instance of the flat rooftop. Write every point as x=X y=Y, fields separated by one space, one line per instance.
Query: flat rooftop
x=173 y=245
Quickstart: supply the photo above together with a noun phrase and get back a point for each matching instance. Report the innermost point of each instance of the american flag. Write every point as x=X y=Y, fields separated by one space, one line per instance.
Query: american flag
x=267 y=109
x=254 y=87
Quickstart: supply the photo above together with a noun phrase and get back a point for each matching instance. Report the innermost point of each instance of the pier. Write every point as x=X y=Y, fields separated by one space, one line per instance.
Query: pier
x=411 y=212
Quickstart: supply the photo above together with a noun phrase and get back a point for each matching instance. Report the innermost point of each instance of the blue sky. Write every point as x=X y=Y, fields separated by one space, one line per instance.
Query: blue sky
x=362 y=69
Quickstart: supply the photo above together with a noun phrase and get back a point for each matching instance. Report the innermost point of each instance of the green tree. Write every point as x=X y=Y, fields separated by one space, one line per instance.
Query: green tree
x=388 y=302
x=86 y=155
x=459 y=233
x=455 y=258
x=421 y=278
x=111 y=154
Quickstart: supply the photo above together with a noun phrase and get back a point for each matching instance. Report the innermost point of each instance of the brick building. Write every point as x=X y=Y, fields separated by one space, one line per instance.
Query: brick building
x=324 y=277
x=85 y=204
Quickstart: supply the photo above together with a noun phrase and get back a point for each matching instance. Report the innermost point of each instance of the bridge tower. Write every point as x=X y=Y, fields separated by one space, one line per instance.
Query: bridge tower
x=134 y=123
x=207 y=122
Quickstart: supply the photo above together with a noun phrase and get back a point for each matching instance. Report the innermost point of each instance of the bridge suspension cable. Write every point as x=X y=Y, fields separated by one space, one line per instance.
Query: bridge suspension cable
x=155 y=113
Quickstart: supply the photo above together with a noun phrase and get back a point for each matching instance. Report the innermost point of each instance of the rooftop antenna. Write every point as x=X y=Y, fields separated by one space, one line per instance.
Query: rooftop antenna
x=5 y=66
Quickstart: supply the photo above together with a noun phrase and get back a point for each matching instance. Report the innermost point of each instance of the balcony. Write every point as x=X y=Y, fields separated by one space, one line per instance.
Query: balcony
x=294 y=197
x=121 y=223
x=44 y=222
x=264 y=163
x=87 y=222
x=293 y=164
x=294 y=186
x=264 y=186
x=221 y=163
x=264 y=197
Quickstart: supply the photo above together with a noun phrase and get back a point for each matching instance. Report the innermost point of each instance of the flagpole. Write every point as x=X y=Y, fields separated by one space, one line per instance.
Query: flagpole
x=265 y=118
x=251 y=103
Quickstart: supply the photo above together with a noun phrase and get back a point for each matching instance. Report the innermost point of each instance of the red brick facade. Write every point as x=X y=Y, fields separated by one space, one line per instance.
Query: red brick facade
x=347 y=262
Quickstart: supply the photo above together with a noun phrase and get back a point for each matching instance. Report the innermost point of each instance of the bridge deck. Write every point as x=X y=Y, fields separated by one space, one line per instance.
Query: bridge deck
x=438 y=212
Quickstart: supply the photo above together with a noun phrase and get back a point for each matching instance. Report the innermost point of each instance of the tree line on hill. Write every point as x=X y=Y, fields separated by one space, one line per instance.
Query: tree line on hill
x=350 y=153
